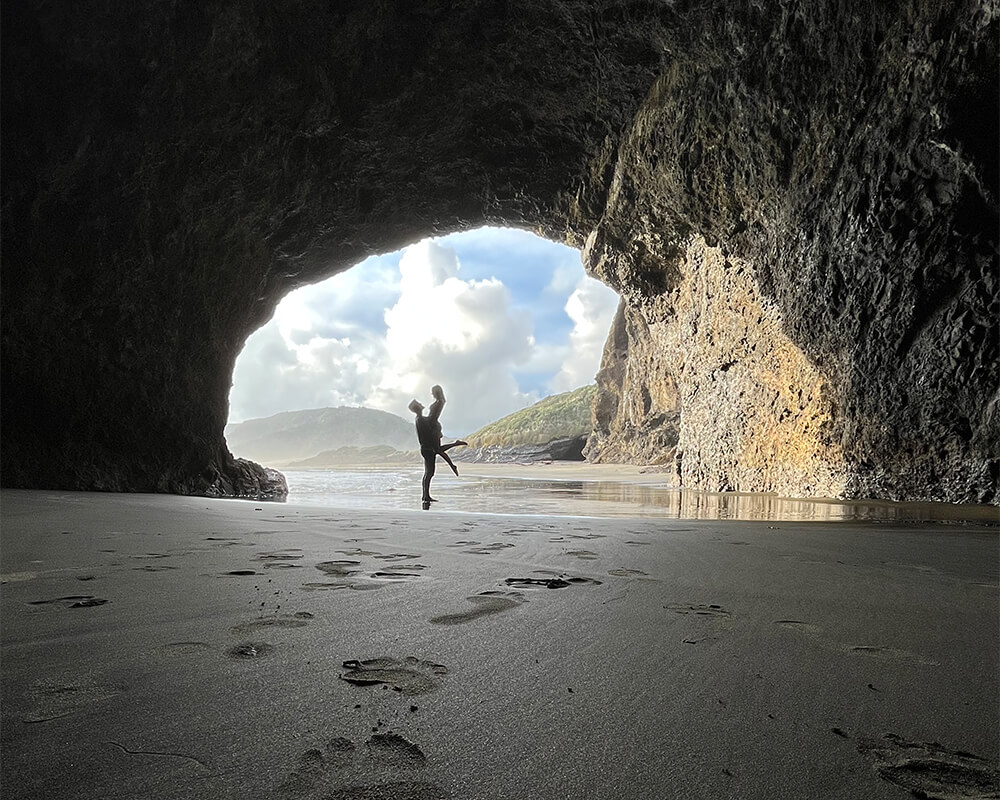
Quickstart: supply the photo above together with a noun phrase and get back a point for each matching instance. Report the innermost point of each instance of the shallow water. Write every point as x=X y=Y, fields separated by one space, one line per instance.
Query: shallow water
x=385 y=489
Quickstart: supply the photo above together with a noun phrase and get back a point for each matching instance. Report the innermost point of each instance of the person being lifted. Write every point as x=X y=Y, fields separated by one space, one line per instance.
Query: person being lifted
x=429 y=436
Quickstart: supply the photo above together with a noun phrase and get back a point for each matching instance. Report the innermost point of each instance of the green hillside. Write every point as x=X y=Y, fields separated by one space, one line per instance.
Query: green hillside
x=557 y=417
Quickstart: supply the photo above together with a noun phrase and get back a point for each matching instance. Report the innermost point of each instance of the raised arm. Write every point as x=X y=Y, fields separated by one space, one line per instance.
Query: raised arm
x=436 y=407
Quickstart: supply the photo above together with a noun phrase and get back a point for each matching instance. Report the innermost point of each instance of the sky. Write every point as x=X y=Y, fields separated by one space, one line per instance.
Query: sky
x=500 y=318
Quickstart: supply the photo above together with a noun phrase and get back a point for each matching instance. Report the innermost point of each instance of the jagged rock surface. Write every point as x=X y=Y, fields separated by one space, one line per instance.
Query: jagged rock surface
x=570 y=449
x=170 y=173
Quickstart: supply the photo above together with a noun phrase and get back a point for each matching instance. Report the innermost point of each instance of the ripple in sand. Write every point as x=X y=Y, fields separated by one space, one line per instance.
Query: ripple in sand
x=699 y=609
x=185 y=648
x=889 y=654
x=408 y=675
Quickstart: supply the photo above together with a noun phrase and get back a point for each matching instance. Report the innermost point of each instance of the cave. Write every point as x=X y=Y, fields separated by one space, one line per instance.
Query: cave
x=796 y=202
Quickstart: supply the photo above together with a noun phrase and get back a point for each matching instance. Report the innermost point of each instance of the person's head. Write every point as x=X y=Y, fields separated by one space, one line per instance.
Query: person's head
x=416 y=407
x=437 y=392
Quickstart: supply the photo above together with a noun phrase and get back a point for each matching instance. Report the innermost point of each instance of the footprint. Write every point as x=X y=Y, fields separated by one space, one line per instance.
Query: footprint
x=409 y=676
x=488 y=549
x=55 y=699
x=314 y=764
x=930 y=770
x=319 y=772
x=557 y=581
x=798 y=625
x=889 y=654
x=394 y=556
x=185 y=648
x=281 y=555
x=395 y=751
x=354 y=585
x=250 y=650
x=583 y=555
x=297 y=620
x=869 y=651
x=625 y=572
x=394 y=574
x=340 y=568
x=152 y=568
x=530 y=583
x=485 y=603
x=72 y=601
x=701 y=610
x=242 y=572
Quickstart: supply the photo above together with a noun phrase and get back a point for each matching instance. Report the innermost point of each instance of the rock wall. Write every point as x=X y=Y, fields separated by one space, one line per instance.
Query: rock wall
x=171 y=172
x=853 y=177
x=705 y=380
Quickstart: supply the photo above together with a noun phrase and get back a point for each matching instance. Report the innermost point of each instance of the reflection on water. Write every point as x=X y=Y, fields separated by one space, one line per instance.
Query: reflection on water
x=400 y=489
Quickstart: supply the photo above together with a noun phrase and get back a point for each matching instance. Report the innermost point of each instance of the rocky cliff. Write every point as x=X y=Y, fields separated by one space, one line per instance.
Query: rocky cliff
x=797 y=202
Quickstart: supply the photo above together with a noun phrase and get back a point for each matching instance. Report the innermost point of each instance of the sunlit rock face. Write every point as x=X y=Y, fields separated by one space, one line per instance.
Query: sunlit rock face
x=797 y=202
x=847 y=168
x=704 y=380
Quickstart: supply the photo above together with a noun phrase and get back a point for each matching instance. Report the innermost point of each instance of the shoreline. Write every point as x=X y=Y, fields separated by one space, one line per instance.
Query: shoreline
x=160 y=646
x=615 y=491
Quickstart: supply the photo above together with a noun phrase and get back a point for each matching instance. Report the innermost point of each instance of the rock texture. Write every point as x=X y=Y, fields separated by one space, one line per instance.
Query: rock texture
x=569 y=449
x=171 y=172
x=711 y=384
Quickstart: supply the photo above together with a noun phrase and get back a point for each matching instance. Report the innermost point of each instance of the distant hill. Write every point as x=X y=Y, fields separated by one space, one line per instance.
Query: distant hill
x=561 y=416
x=299 y=435
x=377 y=455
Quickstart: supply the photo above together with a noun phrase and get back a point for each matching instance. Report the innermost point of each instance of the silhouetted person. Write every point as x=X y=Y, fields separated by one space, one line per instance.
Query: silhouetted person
x=429 y=436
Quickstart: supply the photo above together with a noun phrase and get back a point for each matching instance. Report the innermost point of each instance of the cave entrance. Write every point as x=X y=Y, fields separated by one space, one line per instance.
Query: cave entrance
x=499 y=317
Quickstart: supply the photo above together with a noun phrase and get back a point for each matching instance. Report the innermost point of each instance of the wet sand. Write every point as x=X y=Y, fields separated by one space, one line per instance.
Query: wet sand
x=166 y=647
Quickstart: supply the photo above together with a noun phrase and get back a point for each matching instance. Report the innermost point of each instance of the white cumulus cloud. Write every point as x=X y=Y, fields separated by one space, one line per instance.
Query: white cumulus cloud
x=387 y=330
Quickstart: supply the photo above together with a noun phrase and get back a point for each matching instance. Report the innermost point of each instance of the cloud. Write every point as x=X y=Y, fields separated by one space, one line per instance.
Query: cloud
x=592 y=307
x=462 y=334
x=499 y=318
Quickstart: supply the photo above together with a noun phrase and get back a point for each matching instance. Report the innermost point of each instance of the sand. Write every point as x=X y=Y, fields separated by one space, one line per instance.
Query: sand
x=171 y=647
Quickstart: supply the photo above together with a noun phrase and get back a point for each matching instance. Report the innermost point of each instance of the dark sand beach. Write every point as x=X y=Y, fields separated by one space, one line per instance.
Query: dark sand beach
x=176 y=647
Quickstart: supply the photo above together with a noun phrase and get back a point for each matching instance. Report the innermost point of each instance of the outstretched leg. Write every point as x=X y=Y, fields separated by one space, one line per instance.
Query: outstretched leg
x=450 y=463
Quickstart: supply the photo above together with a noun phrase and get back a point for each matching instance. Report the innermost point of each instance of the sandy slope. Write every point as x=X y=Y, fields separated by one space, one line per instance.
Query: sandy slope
x=496 y=657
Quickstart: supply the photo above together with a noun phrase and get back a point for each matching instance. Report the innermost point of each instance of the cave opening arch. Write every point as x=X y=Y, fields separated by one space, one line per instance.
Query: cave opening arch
x=500 y=316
